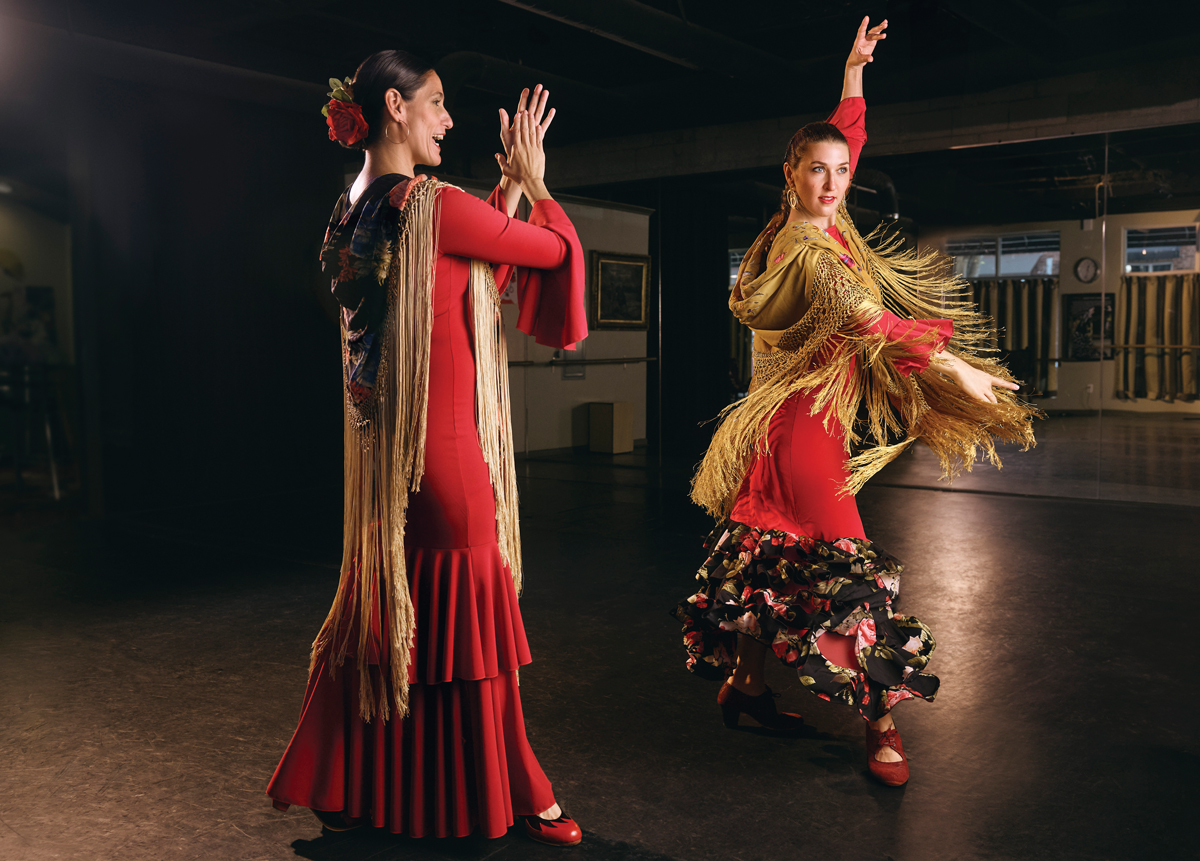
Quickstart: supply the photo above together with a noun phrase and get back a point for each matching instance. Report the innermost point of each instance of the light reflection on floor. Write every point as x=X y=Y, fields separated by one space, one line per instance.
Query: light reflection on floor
x=1119 y=456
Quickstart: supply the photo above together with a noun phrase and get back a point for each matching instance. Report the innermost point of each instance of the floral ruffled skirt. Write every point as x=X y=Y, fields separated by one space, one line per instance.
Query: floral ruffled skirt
x=787 y=590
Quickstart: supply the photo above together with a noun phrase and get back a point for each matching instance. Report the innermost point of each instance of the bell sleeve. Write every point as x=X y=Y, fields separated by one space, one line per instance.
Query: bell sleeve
x=546 y=252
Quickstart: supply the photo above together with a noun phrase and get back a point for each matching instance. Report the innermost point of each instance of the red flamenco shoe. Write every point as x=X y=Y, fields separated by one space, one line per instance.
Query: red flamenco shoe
x=337 y=820
x=734 y=704
x=889 y=773
x=563 y=831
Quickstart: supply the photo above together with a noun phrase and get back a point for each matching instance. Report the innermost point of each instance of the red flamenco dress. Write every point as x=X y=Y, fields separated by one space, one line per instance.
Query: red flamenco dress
x=792 y=566
x=459 y=760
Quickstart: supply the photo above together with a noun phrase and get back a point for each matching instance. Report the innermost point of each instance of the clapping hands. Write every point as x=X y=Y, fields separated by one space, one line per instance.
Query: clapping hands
x=524 y=159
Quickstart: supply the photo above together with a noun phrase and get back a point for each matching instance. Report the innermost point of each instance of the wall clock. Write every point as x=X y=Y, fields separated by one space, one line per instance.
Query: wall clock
x=1086 y=270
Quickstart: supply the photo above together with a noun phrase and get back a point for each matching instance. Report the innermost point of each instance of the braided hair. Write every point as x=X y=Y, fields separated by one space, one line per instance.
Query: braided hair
x=812 y=133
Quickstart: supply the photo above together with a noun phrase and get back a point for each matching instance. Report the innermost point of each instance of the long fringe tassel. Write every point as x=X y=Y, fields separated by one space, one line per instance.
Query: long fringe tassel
x=493 y=413
x=847 y=367
x=384 y=461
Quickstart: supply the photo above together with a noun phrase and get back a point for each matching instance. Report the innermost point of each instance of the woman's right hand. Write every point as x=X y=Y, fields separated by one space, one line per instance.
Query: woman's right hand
x=525 y=163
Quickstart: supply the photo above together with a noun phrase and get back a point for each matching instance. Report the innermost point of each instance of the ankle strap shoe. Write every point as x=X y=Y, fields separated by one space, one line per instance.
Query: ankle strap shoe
x=889 y=773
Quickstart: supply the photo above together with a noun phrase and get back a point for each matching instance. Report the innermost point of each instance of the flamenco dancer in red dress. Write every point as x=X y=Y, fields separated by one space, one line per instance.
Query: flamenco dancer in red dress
x=842 y=330
x=412 y=717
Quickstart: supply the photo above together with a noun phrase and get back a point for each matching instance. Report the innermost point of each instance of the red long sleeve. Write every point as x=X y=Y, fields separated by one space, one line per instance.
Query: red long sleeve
x=920 y=338
x=471 y=228
x=550 y=282
x=850 y=117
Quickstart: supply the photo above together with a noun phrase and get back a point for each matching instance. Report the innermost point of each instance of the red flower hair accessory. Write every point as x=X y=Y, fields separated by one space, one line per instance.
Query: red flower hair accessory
x=342 y=115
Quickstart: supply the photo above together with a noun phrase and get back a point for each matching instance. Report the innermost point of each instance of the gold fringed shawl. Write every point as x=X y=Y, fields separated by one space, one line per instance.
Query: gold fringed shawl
x=389 y=244
x=802 y=294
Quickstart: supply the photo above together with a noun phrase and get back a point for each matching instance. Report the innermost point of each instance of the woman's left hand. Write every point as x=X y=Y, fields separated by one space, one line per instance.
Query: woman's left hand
x=976 y=384
x=865 y=41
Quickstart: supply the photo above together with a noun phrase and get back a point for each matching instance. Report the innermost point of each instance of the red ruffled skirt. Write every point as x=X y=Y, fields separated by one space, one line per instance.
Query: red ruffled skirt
x=792 y=568
x=459 y=761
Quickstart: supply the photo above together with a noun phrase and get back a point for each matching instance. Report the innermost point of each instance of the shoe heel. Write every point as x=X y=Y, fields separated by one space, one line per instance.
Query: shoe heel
x=730 y=715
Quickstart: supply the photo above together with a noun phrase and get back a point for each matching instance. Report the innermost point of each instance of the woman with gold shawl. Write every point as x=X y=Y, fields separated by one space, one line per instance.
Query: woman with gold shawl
x=855 y=347
x=412 y=718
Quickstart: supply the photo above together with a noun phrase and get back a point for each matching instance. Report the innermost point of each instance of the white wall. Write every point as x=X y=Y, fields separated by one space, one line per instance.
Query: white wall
x=547 y=411
x=44 y=246
x=1076 y=242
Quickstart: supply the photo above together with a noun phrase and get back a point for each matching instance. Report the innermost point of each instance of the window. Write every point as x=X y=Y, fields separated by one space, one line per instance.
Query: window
x=974 y=257
x=1029 y=254
x=735 y=260
x=1005 y=256
x=1160 y=249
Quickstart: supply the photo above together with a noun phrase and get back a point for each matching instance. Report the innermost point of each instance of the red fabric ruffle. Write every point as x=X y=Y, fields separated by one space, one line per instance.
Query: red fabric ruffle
x=470 y=623
x=550 y=302
x=459 y=760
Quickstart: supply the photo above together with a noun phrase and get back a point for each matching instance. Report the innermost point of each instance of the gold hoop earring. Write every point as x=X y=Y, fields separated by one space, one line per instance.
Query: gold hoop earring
x=388 y=137
x=792 y=199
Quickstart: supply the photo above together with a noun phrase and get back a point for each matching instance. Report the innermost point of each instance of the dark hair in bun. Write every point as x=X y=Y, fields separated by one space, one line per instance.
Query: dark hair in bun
x=380 y=72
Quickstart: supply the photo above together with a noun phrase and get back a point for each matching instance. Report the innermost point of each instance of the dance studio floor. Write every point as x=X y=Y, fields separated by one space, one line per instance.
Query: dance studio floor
x=151 y=672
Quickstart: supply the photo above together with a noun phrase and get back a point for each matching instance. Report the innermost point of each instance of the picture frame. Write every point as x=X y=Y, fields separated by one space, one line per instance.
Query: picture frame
x=620 y=289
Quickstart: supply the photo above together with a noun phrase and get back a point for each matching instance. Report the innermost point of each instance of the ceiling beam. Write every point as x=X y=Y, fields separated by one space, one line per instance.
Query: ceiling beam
x=1013 y=22
x=91 y=55
x=661 y=35
x=1133 y=98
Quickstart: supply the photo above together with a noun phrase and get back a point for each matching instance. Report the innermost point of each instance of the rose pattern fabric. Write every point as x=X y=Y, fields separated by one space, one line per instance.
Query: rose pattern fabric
x=356 y=255
x=787 y=590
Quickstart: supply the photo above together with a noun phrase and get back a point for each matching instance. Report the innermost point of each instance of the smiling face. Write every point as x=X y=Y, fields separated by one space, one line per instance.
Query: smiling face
x=821 y=178
x=427 y=120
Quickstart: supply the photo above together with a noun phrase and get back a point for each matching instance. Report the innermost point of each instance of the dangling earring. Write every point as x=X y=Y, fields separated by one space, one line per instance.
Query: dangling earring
x=388 y=137
x=792 y=200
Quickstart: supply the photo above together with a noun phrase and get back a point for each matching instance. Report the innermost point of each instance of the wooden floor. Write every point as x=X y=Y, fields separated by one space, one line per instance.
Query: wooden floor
x=152 y=665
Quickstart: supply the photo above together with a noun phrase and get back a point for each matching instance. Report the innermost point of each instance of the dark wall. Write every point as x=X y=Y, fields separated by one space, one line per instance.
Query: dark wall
x=209 y=370
x=689 y=253
x=695 y=314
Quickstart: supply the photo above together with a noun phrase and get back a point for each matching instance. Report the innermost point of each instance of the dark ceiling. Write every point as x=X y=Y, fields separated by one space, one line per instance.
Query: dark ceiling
x=619 y=67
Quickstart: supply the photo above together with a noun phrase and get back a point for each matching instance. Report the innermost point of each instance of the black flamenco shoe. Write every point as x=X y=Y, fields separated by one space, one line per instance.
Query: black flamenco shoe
x=734 y=703
x=337 y=820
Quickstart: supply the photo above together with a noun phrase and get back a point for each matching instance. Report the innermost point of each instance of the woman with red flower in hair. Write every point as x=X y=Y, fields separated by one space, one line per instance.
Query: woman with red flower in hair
x=856 y=343
x=412 y=717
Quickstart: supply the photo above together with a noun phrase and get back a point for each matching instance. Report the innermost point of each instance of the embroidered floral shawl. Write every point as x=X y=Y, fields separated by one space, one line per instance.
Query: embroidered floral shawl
x=380 y=254
x=801 y=292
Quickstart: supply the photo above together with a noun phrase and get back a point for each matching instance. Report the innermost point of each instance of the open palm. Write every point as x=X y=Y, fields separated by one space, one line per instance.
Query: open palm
x=865 y=41
x=537 y=109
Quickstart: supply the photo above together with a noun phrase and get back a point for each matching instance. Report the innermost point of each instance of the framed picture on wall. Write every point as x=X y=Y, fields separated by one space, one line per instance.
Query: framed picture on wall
x=1084 y=329
x=620 y=289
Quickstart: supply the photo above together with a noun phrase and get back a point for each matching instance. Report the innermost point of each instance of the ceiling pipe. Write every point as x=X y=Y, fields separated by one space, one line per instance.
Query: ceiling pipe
x=881 y=184
x=662 y=35
x=481 y=72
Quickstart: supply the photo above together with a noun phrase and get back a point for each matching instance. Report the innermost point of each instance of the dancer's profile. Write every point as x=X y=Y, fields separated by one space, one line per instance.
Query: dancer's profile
x=856 y=343
x=412 y=718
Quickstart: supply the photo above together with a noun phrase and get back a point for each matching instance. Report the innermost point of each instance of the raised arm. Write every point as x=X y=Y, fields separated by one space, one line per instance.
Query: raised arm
x=550 y=282
x=862 y=53
x=472 y=228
